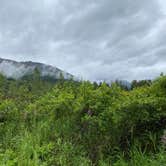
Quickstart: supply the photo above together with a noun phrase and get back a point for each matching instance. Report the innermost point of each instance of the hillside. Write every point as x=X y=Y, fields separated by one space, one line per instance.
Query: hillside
x=16 y=70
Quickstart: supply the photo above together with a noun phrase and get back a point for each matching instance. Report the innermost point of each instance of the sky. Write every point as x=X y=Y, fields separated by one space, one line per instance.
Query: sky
x=92 y=39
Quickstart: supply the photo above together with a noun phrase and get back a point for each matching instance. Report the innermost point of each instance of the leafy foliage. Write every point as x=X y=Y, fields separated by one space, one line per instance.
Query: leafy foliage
x=45 y=122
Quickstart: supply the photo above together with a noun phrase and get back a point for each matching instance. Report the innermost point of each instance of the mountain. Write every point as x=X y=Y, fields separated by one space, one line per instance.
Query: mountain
x=16 y=70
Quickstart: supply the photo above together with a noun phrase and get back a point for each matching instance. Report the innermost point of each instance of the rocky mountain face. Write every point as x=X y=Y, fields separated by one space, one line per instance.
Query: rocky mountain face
x=16 y=70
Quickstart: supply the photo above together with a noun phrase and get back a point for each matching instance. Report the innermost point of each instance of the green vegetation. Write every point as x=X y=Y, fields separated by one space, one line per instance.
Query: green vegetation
x=44 y=122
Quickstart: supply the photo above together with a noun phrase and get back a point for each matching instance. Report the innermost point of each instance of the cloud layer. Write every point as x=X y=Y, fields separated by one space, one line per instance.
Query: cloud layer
x=98 y=40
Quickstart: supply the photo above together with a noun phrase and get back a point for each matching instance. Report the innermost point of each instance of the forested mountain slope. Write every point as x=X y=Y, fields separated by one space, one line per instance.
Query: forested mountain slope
x=13 y=69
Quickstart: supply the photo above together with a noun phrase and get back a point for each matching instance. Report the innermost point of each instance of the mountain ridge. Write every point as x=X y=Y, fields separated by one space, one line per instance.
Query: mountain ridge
x=14 y=69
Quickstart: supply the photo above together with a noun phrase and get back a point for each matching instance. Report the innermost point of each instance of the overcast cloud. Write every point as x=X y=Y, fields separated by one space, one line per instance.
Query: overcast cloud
x=95 y=39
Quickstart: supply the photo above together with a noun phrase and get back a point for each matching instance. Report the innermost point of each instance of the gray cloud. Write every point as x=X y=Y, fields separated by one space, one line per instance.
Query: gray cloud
x=98 y=40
